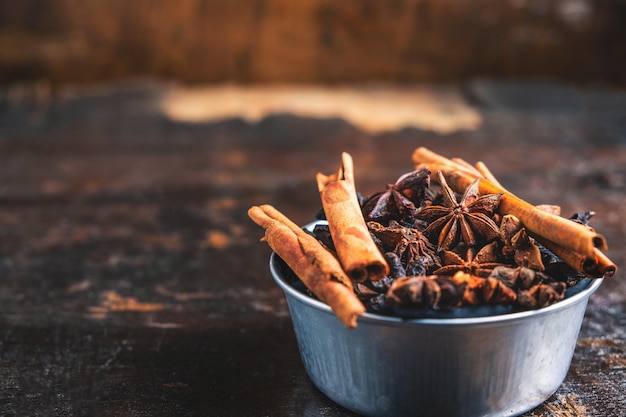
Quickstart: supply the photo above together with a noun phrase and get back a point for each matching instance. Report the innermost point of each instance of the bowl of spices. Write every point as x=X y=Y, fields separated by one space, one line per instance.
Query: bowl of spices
x=455 y=298
x=500 y=365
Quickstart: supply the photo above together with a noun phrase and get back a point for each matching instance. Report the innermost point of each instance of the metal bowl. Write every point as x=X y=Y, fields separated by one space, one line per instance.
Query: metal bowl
x=500 y=365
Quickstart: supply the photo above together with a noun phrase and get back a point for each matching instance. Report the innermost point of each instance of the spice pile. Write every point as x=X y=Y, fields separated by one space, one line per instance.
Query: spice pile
x=460 y=240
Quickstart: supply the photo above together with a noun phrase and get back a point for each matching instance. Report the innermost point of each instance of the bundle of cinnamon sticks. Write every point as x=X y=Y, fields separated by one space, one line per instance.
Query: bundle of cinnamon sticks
x=329 y=278
x=333 y=276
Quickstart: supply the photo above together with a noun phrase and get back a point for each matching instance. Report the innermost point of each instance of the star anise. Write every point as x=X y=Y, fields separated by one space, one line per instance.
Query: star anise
x=479 y=290
x=400 y=200
x=534 y=288
x=443 y=292
x=520 y=277
x=414 y=250
x=518 y=245
x=426 y=292
x=542 y=295
x=526 y=251
x=479 y=264
x=466 y=220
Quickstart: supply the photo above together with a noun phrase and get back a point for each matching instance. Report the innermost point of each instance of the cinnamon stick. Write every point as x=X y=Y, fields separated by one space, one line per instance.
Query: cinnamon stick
x=596 y=266
x=571 y=235
x=318 y=269
x=356 y=250
x=487 y=174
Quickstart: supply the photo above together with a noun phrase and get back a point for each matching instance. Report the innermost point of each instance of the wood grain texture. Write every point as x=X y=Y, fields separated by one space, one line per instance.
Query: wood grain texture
x=133 y=283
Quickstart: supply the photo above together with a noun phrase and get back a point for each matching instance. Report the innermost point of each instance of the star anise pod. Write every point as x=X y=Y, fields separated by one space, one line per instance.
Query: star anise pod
x=534 y=288
x=426 y=292
x=466 y=220
x=400 y=200
x=518 y=245
x=526 y=251
x=541 y=295
x=519 y=278
x=443 y=292
x=479 y=264
x=509 y=226
x=413 y=249
x=368 y=288
x=481 y=291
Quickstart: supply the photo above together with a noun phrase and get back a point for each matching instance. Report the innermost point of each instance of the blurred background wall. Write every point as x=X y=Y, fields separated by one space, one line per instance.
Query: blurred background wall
x=249 y=41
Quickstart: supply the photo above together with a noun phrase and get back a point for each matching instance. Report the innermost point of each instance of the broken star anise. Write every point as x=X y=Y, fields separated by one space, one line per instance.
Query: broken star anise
x=534 y=288
x=438 y=293
x=542 y=295
x=484 y=291
x=411 y=247
x=465 y=220
x=518 y=245
x=445 y=292
x=400 y=200
x=479 y=263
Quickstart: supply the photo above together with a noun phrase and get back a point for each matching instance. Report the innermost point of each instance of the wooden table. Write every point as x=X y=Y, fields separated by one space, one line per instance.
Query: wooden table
x=132 y=282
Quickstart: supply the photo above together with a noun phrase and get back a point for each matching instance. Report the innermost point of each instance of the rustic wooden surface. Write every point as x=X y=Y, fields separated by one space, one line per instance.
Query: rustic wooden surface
x=132 y=282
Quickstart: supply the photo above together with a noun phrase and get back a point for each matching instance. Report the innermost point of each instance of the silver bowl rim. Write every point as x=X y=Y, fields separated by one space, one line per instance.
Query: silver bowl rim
x=380 y=319
x=499 y=318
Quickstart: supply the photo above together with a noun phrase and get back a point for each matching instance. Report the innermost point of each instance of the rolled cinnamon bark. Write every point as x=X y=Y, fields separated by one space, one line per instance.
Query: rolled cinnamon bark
x=318 y=269
x=487 y=174
x=570 y=235
x=356 y=250
x=596 y=266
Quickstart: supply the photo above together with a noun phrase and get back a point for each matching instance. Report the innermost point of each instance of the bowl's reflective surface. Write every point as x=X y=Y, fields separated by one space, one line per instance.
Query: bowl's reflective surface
x=499 y=365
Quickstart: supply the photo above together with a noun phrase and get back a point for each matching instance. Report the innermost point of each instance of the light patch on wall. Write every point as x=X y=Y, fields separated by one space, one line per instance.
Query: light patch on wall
x=371 y=108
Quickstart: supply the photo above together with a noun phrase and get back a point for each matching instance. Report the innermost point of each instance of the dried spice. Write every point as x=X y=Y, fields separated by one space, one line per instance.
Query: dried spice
x=484 y=291
x=571 y=236
x=439 y=250
x=400 y=200
x=464 y=220
x=355 y=249
x=445 y=292
x=518 y=245
x=396 y=269
x=541 y=295
x=507 y=270
x=526 y=253
x=509 y=226
x=519 y=277
x=480 y=264
x=534 y=288
x=583 y=217
x=318 y=269
x=410 y=245
x=322 y=233
x=426 y=292
x=596 y=264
